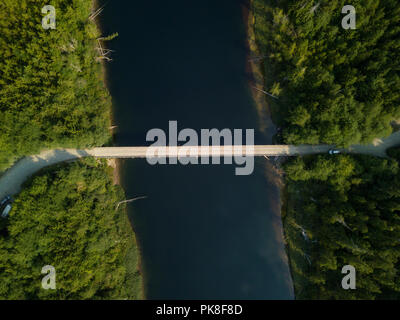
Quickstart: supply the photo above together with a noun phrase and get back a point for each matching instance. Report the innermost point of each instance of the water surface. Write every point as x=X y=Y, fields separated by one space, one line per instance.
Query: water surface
x=204 y=232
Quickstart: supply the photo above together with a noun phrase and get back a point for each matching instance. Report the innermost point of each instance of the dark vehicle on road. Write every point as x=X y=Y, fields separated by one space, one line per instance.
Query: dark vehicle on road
x=5 y=207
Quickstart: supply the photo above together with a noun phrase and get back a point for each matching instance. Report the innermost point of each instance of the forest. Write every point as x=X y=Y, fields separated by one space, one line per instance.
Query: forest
x=52 y=95
x=330 y=85
x=341 y=87
x=52 y=92
x=67 y=217
x=342 y=211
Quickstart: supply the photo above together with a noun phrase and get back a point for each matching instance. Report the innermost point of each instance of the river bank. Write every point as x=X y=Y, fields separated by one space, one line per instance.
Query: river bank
x=255 y=70
x=274 y=172
x=134 y=252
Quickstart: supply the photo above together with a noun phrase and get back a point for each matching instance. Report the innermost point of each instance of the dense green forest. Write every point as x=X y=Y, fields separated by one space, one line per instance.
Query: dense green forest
x=343 y=210
x=336 y=86
x=332 y=85
x=52 y=94
x=51 y=88
x=66 y=217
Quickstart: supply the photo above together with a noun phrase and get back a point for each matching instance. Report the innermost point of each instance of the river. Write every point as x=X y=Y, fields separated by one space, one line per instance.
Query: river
x=204 y=232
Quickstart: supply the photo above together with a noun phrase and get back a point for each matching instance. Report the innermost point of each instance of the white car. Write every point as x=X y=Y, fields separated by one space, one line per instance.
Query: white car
x=334 y=151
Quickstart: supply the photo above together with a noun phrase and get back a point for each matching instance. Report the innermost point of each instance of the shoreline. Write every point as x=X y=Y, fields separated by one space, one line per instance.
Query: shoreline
x=255 y=68
x=255 y=71
x=115 y=164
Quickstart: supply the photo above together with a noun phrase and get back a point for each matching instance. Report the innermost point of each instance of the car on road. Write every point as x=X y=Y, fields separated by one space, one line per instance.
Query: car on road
x=5 y=207
x=333 y=151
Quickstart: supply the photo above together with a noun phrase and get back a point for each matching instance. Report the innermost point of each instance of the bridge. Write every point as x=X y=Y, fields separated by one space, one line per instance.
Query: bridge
x=205 y=151
x=12 y=180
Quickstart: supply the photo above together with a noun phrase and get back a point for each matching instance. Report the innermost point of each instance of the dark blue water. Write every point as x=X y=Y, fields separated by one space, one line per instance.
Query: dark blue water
x=204 y=232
